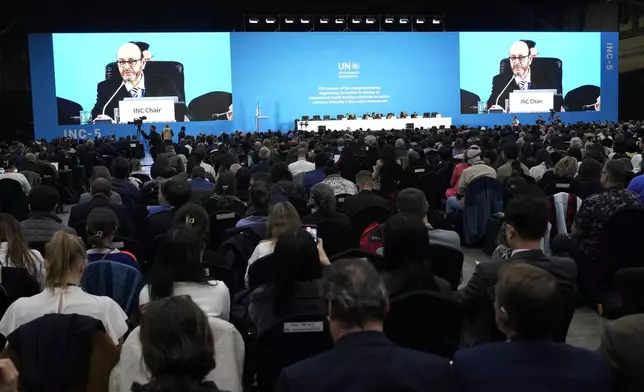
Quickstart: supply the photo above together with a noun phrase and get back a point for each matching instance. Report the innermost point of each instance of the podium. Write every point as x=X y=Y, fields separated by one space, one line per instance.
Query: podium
x=156 y=109
x=258 y=119
x=532 y=101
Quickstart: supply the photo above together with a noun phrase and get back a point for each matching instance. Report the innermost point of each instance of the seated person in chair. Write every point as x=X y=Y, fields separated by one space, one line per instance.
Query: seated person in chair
x=133 y=82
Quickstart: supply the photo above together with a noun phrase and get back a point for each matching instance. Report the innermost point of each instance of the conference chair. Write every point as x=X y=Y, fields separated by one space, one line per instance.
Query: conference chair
x=171 y=69
x=220 y=221
x=339 y=200
x=326 y=117
x=582 y=98
x=305 y=118
x=68 y=111
x=367 y=216
x=261 y=272
x=434 y=188
x=133 y=246
x=483 y=199
x=424 y=321
x=337 y=237
x=118 y=281
x=340 y=116
x=316 y=117
x=630 y=286
x=429 y=115
x=13 y=199
x=469 y=102
x=377 y=260
x=211 y=106
x=550 y=65
x=447 y=263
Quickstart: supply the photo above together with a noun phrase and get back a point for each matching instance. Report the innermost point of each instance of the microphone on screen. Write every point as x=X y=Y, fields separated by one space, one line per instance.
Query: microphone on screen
x=112 y=97
x=504 y=88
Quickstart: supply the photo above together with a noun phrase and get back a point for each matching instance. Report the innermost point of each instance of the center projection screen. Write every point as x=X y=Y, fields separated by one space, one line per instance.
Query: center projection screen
x=219 y=82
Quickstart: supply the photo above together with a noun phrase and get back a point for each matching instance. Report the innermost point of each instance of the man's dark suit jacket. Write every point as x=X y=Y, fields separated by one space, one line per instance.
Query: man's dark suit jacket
x=623 y=348
x=159 y=223
x=368 y=361
x=155 y=86
x=530 y=366
x=362 y=200
x=538 y=81
x=80 y=212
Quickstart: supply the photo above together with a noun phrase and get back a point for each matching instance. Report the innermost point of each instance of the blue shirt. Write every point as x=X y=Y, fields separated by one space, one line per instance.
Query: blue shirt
x=201 y=183
x=637 y=186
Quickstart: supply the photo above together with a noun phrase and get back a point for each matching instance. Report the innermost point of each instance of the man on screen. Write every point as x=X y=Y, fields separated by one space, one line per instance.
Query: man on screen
x=133 y=82
x=522 y=77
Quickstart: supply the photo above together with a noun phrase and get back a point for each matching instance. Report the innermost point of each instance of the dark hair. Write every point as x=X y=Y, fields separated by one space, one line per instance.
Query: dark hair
x=575 y=152
x=226 y=184
x=43 y=198
x=355 y=292
x=279 y=172
x=445 y=153
x=413 y=201
x=511 y=150
x=243 y=178
x=177 y=346
x=176 y=191
x=531 y=300
x=297 y=259
x=262 y=177
x=528 y=215
x=102 y=223
x=331 y=168
x=18 y=250
x=260 y=196
x=388 y=155
x=589 y=170
x=543 y=156
x=617 y=171
x=320 y=159
x=198 y=172
x=120 y=168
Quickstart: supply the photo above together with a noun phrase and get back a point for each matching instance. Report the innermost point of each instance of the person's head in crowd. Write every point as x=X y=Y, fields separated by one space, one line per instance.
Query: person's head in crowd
x=596 y=151
x=527 y=221
x=413 y=201
x=174 y=192
x=331 y=169
x=406 y=244
x=280 y=172
x=264 y=154
x=100 y=172
x=321 y=159
x=101 y=187
x=575 y=152
x=323 y=199
x=260 y=198
x=178 y=259
x=102 y=225
x=356 y=296
x=459 y=145
x=16 y=247
x=169 y=150
x=473 y=155
x=120 y=168
x=65 y=260
x=282 y=218
x=30 y=157
x=243 y=177
x=301 y=153
x=135 y=165
x=400 y=143
x=528 y=302
x=226 y=184
x=177 y=346
x=297 y=260
x=576 y=142
x=589 y=170
x=510 y=151
x=265 y=178
x=566 y=167
x=199 y=154
x=615 y=174
x=543 y=157
x=198 y=172
x=43 y=199
x=235 y=167
x=364 y=180
x=388 y=155
x=445 y=153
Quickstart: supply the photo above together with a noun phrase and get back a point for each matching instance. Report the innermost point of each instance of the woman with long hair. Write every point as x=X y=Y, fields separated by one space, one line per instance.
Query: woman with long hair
x=65 y=259
x=177 y=347
x=102 y=225
x=178 y=268
x=324 y=206
x=14 y=251
x=282 y=219
x=225 y=195
x=294 y=286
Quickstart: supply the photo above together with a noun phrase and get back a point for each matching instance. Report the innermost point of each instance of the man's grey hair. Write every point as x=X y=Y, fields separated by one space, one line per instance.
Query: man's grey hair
x=355 y=292
x=264 y=153
x=400 y=143
x=370 y=140
x=323 y=198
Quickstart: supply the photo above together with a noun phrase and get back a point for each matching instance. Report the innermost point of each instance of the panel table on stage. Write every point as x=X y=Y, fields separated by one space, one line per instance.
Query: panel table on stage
x=374 y=125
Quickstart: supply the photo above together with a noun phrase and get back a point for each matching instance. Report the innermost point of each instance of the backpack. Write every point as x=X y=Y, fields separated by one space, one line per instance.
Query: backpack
x=372 y=238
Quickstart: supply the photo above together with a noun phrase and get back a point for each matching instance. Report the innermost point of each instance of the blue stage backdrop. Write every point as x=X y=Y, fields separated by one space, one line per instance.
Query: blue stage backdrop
x=288 y=75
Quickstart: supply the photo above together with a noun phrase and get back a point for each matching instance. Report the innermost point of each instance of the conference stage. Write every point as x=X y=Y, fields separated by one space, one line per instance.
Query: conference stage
x=373 y=124
x=222 y=82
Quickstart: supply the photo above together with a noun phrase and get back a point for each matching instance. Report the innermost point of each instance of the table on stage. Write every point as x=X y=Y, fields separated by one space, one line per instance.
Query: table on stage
x=374 y=125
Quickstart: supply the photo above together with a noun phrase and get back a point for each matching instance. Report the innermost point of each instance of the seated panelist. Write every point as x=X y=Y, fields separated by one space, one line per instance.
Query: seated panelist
x=134 y=82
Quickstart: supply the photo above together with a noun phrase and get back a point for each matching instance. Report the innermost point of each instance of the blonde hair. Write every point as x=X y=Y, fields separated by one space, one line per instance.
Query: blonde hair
x=282 y=218
x=566 y=167
x=17 y=249
x=62 y=253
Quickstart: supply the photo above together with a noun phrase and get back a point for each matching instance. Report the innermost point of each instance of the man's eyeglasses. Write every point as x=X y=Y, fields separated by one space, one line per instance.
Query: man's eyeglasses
x=130 y=62
x=518 y=58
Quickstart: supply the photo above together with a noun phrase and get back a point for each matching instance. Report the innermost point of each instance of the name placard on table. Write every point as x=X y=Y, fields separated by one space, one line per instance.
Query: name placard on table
x=156 y=109
x=532 y=101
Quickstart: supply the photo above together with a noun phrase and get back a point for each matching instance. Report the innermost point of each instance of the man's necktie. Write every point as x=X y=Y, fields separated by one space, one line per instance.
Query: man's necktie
x=135 y=92
x=523 y=85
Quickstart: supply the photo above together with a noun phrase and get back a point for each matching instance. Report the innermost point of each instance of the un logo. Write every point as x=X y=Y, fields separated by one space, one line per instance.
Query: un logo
x=355 y=66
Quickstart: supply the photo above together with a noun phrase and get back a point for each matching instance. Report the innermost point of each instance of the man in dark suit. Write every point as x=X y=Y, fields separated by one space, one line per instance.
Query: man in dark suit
x=526 y=220
x=173 y=193
x=527 y=309
x=363 y=359
x=101 y=190
x=623 y=348
x=522 y=77
x=365 y=197
x=132 y=83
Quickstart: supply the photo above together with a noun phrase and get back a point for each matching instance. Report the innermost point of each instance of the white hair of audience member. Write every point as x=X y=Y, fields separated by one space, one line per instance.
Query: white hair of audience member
x=400 y=143
x=264 y=153
x=370 y=140
x=576 y=142
x=235 y=167
x=257 y=146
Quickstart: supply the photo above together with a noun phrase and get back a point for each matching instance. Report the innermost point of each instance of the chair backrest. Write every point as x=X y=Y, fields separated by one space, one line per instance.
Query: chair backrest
x=210 y=106
x=577 y=98
x=630 y=285
x=118 y=281
x=339 y=199
x=15 y=283
x=13 y=199
x=337 y=237
x=568 y=306
x=220 y=221
x=447 y=263
x=377 y=260
x=424 y=321
x=133 y=246
x=39 y=246
x=483 y=198
x=293 y=339
x=432 y=185
x=620 y=248
x=171 y=69
x=261 y=271
x=365 y=217
x=81 y=231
